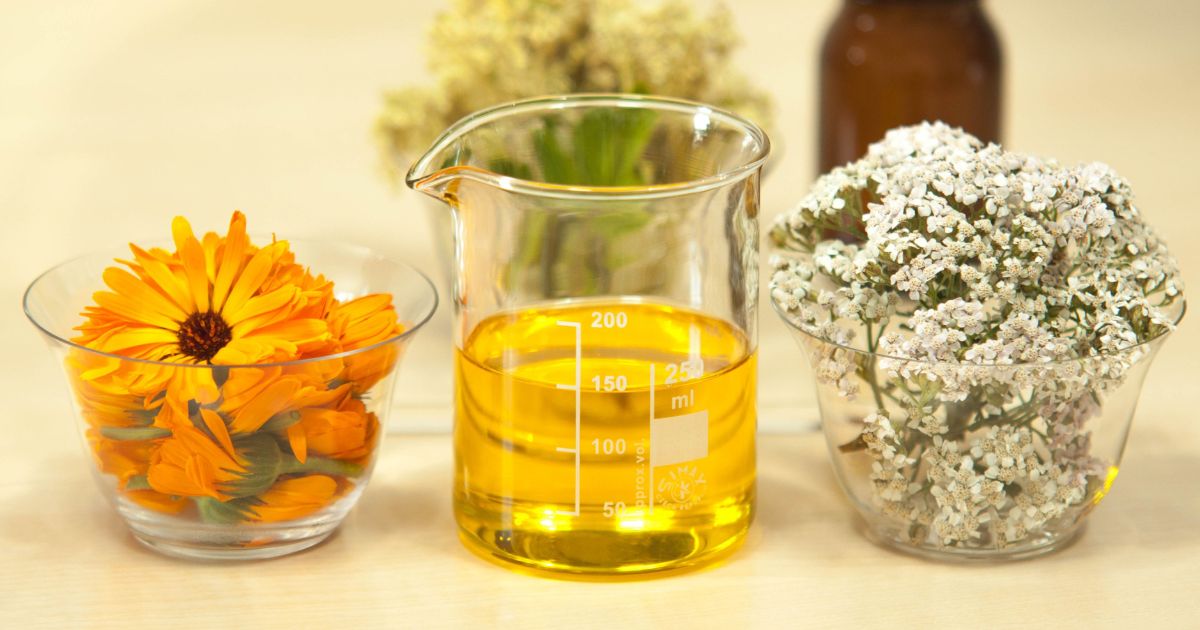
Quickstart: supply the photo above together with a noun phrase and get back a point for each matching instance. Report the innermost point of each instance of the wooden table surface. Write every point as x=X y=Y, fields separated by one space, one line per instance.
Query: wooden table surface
x=115 y=116
x=66 y=561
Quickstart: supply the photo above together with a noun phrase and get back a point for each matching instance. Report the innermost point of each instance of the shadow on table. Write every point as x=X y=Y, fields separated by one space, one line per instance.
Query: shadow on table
x=61 y=513
x=408 y=507
x=1154 y=504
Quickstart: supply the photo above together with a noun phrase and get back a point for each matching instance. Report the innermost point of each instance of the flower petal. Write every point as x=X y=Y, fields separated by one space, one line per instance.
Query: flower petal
x=147 y=299
x=166 y=280
x=191 y=252
x=252 y=277
x=260 y=304
x=271 y=401
x=298 y=441
x=236 y=247
x=294 y=332
x=216 y=425
x=131 y=310
x=135 y=337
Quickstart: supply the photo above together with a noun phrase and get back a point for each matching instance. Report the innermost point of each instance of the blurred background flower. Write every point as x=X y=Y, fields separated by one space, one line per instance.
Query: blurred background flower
x=115 y=119
x=485 y=52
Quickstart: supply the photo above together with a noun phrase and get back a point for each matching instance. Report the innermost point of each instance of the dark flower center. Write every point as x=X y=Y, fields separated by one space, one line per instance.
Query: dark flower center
x=202 y=335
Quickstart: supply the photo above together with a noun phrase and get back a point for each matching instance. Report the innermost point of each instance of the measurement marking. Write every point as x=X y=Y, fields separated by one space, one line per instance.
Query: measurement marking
x=651 y=504
x=563 y=449
x=576 y=388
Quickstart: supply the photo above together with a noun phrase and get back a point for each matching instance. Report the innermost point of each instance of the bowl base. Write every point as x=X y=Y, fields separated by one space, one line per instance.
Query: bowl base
x=1045 y=544
x=190 y=550
x=194 y=540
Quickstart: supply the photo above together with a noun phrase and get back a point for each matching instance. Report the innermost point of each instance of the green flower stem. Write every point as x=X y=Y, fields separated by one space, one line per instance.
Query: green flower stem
x=320 y=465
x=870 y=369
x=137 y=482
x=134 y=433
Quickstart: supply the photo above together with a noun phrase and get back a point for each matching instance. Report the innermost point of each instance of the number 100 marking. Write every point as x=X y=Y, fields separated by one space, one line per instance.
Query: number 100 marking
x=609 y=446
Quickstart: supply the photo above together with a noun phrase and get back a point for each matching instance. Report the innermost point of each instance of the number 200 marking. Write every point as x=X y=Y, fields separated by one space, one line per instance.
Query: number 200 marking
x=609 y=319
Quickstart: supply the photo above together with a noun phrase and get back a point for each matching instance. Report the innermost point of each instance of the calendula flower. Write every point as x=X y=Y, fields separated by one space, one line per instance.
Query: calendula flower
x=363 y=323
x=294 y=498
x=123 y=459
x=217 y=301
x=189 y=463
x=230 y=409
x=158 y=501
x=282 y=395
x=346 y=433
x=104 y=400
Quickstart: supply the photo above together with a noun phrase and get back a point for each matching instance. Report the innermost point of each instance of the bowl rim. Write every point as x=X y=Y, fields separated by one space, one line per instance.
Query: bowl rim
x=792 y=325
x=409 y=330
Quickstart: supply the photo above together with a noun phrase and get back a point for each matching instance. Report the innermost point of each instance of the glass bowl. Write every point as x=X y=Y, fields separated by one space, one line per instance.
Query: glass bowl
x=233 y=461
x=955 y=461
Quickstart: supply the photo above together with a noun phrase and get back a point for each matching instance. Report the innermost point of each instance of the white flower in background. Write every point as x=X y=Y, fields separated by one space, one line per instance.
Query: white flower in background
x=486 y=52
x=995 y=298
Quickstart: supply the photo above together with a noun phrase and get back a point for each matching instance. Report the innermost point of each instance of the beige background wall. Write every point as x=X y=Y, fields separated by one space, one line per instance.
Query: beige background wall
x=116 y=115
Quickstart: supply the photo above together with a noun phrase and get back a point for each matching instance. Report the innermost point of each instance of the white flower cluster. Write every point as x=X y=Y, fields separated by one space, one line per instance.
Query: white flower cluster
x=995 y=299
x=486 y=52
x=997 y=486
x=985 y=247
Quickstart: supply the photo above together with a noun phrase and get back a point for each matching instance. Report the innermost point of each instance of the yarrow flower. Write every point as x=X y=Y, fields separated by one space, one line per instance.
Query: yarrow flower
x=486 y=52
x=191 y=373
x=996 y=298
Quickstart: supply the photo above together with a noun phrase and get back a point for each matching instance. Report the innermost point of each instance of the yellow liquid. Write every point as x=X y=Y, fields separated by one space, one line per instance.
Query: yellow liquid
x=533 y=489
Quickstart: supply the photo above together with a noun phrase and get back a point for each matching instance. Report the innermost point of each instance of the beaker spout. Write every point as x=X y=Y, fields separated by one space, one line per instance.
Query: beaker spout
x=435 y=172
x=440 y=184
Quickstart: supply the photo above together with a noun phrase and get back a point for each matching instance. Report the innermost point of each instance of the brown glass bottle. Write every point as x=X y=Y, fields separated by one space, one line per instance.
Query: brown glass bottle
x=886 y=63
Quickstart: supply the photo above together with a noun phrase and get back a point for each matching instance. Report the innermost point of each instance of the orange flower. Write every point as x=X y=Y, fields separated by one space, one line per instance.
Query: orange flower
x=157 y=501
x=123 y=459
x=284 y=394
x=219 y=301
x=190 y=464
x=347 y=432
x=199 y=318
x=103 y=400
x=295 y=498
x=362 y=323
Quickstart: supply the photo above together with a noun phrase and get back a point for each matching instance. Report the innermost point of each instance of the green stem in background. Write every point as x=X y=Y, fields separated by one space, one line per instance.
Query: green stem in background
x=604 y=149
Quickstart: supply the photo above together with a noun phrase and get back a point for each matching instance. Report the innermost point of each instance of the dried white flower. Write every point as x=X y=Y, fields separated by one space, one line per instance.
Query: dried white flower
x=487 y=52
x=999 y=297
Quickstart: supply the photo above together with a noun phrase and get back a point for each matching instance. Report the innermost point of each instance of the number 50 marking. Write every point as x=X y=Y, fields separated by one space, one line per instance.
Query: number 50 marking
x=613 y=508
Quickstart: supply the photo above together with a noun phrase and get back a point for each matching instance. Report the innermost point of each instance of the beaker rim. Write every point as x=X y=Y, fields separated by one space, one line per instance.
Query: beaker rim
x=422 y=171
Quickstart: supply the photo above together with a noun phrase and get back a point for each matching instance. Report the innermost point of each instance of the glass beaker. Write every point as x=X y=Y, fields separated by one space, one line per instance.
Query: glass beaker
x=605 y=294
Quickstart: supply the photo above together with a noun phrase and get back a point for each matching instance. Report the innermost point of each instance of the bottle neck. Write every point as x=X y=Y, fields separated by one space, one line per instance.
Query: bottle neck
x=910 y=2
